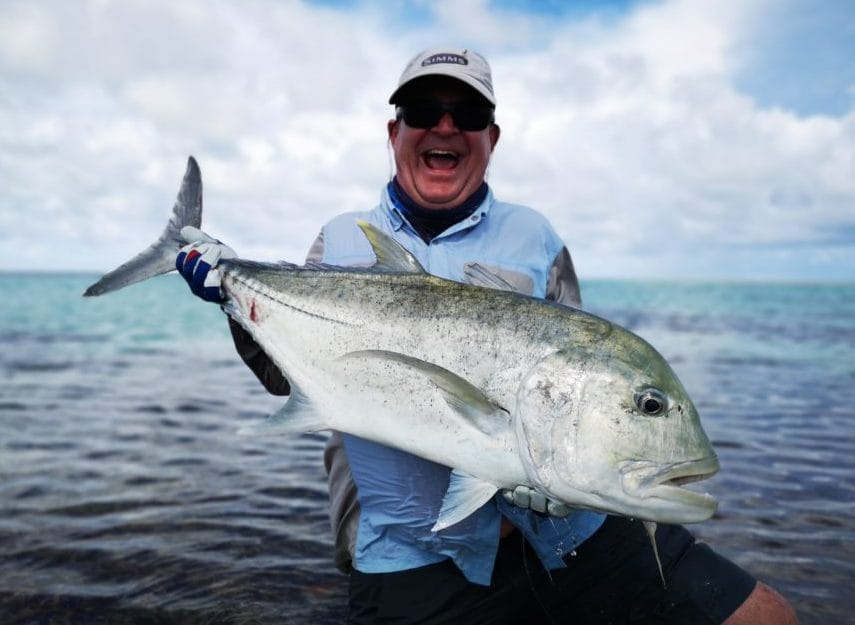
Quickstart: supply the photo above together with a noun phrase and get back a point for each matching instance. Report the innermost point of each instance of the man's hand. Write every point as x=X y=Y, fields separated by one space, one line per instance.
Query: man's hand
x=525 y=497
x=197 y=263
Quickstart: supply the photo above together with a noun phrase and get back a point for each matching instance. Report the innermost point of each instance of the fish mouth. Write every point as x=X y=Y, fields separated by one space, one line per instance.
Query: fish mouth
x=651 y=480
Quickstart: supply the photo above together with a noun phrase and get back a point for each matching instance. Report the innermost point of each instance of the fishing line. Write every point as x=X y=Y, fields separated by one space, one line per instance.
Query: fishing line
x=531 y=585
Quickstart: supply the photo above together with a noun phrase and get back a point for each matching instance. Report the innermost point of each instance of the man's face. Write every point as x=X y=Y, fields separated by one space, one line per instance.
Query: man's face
x=440 y=167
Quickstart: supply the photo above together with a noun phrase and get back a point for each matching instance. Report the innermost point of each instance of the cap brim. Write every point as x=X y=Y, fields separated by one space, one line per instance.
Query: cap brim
x=479 y=87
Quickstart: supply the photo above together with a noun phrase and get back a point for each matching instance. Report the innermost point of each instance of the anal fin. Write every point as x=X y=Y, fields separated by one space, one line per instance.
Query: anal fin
x=296 y=416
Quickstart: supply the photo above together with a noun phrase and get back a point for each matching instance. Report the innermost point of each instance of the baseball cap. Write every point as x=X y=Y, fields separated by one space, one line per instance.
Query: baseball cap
x=465 y=65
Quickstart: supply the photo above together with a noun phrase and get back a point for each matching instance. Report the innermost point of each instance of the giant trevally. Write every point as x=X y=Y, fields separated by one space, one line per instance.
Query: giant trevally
x=505 y=389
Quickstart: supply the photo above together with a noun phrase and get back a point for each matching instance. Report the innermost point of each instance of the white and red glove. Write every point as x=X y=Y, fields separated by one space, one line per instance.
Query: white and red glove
x=197 y=263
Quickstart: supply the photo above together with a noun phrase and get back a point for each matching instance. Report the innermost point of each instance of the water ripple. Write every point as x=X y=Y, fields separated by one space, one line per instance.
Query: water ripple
x=127 y=497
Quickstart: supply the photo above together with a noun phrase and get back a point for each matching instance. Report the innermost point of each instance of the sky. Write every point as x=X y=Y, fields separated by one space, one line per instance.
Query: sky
x=664 y=140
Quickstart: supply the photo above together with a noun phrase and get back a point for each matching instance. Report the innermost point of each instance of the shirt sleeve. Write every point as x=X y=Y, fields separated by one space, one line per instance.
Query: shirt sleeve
x=259 y=363
x=344 y=504
x=316 y=252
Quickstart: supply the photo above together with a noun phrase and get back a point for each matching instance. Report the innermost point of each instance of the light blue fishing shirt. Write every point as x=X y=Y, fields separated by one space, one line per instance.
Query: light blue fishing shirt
x=401 y=494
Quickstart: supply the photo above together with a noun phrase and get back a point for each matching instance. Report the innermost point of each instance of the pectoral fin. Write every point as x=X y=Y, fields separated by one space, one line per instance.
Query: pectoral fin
x=464 y=496
x=463 y=397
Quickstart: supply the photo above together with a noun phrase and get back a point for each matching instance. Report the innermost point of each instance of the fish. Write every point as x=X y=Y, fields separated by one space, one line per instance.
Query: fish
x=505 y=389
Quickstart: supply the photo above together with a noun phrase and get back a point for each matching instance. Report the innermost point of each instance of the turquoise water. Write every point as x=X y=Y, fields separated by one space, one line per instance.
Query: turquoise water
x=125 y=496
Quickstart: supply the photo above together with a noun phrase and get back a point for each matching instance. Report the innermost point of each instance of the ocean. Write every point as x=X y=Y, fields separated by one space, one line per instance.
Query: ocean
x=127 y=497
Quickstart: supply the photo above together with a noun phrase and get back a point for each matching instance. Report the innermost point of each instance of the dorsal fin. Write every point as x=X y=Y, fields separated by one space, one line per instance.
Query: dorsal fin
x=391 y=255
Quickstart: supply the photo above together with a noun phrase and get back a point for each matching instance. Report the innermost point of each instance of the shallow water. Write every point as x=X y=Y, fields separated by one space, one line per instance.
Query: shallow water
x=126 y=497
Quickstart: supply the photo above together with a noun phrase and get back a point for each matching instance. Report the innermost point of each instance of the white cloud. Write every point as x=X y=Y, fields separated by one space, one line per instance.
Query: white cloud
x=652 y=132
x=627 y=131
x=28 y=41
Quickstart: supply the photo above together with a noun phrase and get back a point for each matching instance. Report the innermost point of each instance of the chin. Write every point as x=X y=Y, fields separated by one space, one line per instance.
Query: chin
x=442 y=198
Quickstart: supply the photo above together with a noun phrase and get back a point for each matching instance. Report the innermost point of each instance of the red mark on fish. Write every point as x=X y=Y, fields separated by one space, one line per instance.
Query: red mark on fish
x=253 y=311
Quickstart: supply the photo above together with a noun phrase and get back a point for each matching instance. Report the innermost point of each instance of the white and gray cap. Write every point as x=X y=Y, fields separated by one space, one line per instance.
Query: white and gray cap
x=465 y=65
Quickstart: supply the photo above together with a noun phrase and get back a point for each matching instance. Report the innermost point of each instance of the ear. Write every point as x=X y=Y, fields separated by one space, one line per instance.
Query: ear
x=392 y=128
x=495 y=131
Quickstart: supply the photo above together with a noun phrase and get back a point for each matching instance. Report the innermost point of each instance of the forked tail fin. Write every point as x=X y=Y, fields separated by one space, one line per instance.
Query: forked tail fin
x=159 y=257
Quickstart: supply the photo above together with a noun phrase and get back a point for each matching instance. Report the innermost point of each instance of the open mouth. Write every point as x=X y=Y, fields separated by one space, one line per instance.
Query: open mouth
x=445 y=160
x=687 y=472
x=666 y=482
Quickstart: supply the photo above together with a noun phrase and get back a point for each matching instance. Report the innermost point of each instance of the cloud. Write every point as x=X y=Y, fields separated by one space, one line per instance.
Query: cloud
x=633 y=130
x=655 y=162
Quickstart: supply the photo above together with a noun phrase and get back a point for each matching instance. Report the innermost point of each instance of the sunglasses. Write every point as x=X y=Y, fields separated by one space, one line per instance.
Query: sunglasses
x=467 y=116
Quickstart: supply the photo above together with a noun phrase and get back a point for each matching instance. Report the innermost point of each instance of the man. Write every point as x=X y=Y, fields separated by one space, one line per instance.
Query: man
x=518 y=559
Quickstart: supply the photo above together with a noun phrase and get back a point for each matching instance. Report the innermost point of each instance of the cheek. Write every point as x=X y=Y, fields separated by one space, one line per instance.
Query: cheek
x=480 y=151
x=404 y=143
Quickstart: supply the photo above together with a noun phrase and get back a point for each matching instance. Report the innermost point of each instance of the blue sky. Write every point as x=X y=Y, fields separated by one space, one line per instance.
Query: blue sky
x=804 y=60
x=674 y=139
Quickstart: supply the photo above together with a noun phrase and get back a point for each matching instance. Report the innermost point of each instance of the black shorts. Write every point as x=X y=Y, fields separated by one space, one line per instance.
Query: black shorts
x=611 y=579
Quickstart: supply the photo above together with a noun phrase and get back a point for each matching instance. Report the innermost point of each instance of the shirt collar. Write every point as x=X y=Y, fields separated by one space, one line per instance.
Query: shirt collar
x=397 y=220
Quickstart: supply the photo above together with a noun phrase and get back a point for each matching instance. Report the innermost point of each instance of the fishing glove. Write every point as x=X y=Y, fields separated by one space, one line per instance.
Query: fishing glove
x=197 y=263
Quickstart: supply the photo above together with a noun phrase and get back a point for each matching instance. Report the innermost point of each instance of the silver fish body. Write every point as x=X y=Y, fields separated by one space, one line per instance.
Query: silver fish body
x=505 y=389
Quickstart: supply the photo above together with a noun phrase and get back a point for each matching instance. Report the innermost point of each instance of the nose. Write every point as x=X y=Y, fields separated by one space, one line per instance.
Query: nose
x=445 y=124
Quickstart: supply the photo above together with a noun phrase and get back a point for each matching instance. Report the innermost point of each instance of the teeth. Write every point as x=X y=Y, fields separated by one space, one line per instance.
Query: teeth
x=441 y=153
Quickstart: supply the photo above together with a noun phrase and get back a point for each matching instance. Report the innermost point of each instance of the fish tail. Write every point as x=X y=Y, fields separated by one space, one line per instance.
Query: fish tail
x=159 y=257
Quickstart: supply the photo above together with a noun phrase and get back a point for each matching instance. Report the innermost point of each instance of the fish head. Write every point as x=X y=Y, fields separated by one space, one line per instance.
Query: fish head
x=609 y=427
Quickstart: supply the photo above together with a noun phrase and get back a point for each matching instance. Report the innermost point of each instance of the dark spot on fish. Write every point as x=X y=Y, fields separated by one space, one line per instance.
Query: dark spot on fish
x=253 y=312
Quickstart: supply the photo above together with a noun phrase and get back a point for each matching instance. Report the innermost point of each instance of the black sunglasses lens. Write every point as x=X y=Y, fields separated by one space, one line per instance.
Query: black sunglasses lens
x=469 y=117
x=472 y=117
x=422 y=114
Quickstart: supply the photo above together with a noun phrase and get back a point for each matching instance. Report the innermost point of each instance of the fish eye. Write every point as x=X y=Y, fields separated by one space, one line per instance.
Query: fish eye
x=651 y=402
